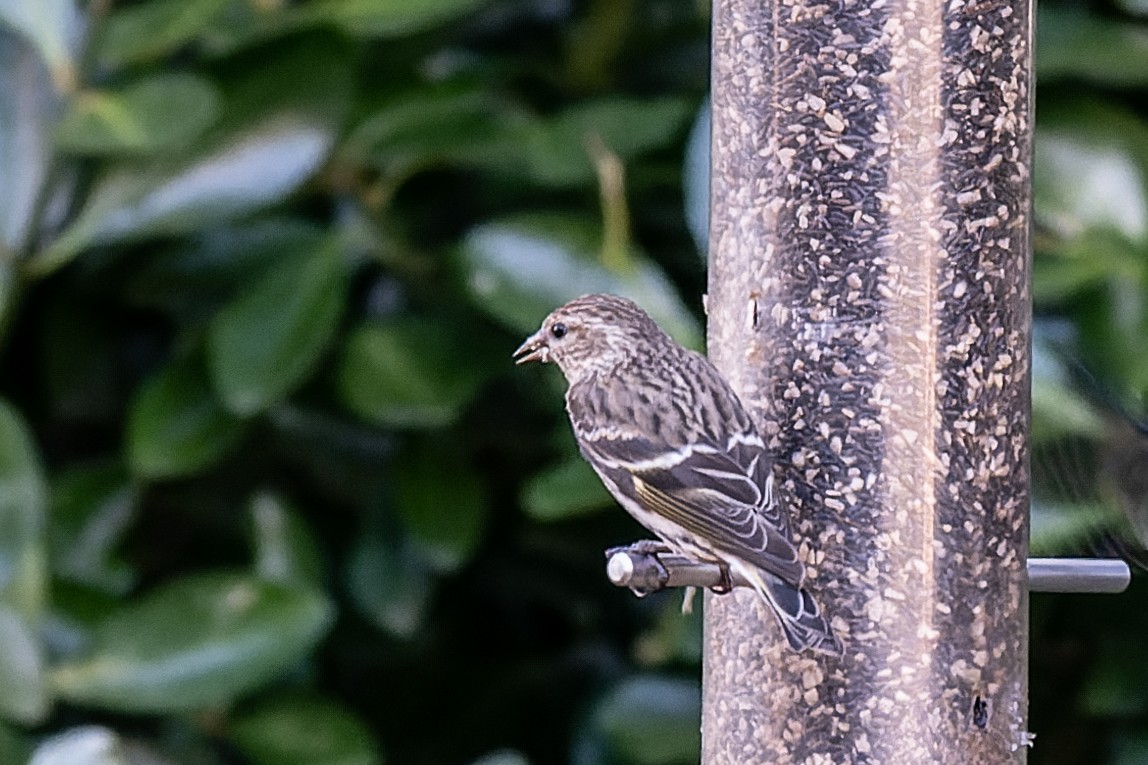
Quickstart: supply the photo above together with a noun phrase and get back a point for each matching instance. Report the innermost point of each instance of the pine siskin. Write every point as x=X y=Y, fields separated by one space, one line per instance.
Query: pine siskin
x=676 y=448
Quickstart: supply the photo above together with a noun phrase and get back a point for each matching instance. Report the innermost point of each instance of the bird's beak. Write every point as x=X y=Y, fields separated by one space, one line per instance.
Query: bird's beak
x=534 y=349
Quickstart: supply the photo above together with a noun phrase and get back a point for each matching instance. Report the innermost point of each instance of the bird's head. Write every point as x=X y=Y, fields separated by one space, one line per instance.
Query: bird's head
x=594 y=333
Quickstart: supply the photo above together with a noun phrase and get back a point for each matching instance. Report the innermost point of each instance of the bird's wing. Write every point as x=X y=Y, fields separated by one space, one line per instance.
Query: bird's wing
x=722 y=494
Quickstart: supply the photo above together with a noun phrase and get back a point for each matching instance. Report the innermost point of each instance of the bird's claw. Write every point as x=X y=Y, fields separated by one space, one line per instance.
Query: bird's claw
x=652 y=547
x=649 y=549
x=725 y=584
x=663 y=578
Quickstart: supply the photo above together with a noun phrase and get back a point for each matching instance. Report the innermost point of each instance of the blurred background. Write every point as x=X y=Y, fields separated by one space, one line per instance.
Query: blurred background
x=271 y=490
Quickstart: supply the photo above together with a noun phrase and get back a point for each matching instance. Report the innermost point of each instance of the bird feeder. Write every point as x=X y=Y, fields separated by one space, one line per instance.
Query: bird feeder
x=869 y=301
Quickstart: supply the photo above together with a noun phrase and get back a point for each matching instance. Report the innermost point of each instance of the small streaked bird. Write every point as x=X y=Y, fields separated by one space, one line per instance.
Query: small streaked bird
x=674 y=445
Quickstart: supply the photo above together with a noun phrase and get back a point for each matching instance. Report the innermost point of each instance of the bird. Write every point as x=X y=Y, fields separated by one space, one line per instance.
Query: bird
x=677 y=449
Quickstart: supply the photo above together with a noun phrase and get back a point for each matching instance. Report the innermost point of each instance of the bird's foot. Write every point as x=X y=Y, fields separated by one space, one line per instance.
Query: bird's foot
x=647 y=549
x=653 y=547
x=725 y=584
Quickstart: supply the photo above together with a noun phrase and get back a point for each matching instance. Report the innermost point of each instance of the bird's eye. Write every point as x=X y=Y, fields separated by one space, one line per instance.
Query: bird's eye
x=558 y=330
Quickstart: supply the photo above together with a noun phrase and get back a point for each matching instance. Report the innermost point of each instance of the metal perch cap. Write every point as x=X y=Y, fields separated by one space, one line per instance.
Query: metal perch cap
x=646 y=572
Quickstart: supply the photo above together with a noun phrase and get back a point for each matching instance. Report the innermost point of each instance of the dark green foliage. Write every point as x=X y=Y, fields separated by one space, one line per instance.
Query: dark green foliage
x=262 y=445
x=1089 y=701
x=271 y=489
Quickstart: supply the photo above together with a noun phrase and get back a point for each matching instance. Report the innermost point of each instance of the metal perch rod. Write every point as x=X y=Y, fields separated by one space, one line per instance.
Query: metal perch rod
x=646 y=572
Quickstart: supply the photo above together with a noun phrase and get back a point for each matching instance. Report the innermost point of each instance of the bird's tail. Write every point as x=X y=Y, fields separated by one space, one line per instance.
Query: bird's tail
x=797 y=612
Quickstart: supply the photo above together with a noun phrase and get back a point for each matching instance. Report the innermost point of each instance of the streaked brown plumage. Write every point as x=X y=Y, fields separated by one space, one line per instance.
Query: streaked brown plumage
x=674 y=445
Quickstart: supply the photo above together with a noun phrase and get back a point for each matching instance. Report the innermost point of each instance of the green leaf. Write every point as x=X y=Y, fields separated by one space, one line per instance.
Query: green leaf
x=409 y=373
x=557 y=152
x=153 y=29
x=1072 y=42
x=237 y=176
x=25 y=696
x=273 y=139
x=520 y=269
x=424 y=128
x=303 y=730
x=27 y=104
x=1106 y=188
x=267 y=342
x=23 y=496
x=138 y=119
x=1093 y=258
x=1089 y=171
x=1058 y=410
x=388 y=18
x=193 y=281
x=648 y=720
x=445 y=519
x=176 y=426
x=389 y=583
x=88 y=745
x=569 y=489
x=285 y=550
x=92 y=509
x=1063 y=526
x=54 y=27
x=247 y=25
x=23 y=577
x=1111 y=324
x=464 y=125
x=201 y=641
x=13 y=748
x=1058 y=407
